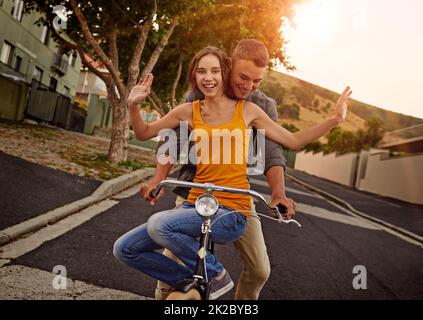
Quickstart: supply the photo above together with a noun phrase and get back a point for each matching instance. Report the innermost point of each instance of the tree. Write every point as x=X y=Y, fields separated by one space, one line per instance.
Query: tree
x=304 y=94
x=290 y=127
x=128 y=38
x=372 y=134
x=274 y=90
x=327 y=107
x=115 y=36
x=340 y=141
x=221 y=24
x=289 y=111
x=375 y=131
x=315 y=146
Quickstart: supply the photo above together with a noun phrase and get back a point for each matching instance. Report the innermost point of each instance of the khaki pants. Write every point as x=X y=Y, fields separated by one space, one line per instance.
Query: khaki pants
x=255 y=262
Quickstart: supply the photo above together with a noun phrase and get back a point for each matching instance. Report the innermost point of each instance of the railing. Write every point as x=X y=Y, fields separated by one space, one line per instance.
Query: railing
x=49 y=106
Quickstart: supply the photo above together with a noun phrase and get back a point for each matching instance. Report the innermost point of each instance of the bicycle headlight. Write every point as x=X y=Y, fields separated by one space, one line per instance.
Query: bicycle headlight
x=206 y=205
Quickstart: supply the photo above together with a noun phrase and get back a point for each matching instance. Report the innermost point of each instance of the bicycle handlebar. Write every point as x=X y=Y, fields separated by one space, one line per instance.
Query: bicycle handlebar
x=212 y=187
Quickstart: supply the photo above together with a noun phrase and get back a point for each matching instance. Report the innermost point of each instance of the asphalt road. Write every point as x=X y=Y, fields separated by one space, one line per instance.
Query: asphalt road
x=402 y=214
x=313 y=262
x=28 y=189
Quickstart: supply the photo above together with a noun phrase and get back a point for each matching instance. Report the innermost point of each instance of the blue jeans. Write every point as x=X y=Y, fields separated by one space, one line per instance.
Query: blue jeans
x=176 y=230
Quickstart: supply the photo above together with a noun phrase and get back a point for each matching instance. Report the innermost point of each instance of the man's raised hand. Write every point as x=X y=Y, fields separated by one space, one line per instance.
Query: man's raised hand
x=342 y=105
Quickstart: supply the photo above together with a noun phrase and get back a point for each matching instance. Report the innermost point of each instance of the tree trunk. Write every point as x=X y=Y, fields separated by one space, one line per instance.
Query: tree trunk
x=176 y=81
x=118 y=150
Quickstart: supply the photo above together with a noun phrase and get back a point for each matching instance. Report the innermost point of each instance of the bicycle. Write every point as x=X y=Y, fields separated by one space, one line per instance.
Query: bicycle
x=206 y=205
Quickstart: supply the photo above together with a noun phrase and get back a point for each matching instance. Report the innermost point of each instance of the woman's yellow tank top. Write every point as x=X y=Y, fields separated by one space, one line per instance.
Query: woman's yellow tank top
x=221 y=154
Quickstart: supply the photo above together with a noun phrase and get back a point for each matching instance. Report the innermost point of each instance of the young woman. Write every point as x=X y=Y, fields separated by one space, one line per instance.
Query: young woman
x=177 y=229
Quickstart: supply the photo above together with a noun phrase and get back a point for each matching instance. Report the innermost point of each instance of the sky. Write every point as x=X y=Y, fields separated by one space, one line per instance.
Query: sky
x=374 y=46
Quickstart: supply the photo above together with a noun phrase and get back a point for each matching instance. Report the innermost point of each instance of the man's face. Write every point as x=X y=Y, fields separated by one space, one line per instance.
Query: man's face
x=245 y=78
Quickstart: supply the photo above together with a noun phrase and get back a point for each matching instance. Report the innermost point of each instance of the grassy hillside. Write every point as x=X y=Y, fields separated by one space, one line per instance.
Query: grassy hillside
x=303 y=104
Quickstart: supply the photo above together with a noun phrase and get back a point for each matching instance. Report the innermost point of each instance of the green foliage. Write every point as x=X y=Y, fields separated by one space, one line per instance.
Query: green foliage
x=132 y=164
x=390 y=120
x=274 y=90
x=368 y=138
x=201 y=22
x=304 y=95
x=289 y=111
x=315 y=146
x=290 y=127
x=343 y=141
x=327 y=107
x=223 y=23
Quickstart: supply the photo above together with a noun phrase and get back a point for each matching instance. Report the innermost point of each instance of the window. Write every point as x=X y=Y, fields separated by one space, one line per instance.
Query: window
x=38 y=74
x=53 y=84
x=72 y=59
x=6 y=52
x=66 y=91
x=17 y=10
x=45 y=35
x=18 y=63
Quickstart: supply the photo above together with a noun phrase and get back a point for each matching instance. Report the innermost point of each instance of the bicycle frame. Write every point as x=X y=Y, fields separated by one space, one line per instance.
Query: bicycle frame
x=200 y=279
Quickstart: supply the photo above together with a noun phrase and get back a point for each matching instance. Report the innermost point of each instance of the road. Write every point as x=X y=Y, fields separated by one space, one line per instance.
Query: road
x=334 y=255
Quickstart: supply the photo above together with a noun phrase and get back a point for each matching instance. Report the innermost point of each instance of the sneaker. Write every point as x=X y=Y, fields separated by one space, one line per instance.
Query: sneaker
x=162 y=293
x=220 y=287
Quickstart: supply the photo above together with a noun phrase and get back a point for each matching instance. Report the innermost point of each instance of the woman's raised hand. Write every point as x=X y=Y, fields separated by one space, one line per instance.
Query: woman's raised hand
x=342 y=105
x=141 y=91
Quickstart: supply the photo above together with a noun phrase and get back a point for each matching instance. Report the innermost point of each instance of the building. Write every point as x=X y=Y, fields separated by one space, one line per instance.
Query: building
x=91 y=94
x=413 y=145
x=29 y=50
x=90 y=84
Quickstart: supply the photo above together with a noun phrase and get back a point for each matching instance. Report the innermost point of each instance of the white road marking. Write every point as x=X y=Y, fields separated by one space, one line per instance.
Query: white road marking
x=50 y=232
x=331 y=215
x=353 y=219
x=265 y=184
x=379 y=200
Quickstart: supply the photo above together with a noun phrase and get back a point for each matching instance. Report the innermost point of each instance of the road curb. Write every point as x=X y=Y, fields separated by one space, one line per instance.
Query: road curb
x=347 y=206
x=104 y=191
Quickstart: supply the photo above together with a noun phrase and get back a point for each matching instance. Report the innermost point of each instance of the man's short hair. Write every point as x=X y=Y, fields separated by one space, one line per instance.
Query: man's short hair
x=251 y=50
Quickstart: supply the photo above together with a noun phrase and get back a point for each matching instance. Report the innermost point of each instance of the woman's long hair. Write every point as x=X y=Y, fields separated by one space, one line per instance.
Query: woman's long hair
x=225 y=67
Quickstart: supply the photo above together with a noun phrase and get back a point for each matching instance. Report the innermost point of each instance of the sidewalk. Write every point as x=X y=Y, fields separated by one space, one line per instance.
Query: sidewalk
x=34 y=284
x=401 y=214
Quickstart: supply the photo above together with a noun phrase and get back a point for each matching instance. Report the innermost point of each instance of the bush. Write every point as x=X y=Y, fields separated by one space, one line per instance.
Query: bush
x=274 y=90
x=289 y=111
x=344 y=141
x=327 y=107
x=304 y=95
x=290 y=127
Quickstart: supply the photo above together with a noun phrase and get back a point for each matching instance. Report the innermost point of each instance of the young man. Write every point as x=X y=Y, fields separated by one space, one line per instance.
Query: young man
x=249 y=62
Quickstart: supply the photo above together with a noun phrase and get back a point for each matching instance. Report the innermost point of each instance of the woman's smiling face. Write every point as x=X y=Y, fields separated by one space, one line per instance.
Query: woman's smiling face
x=208 y=75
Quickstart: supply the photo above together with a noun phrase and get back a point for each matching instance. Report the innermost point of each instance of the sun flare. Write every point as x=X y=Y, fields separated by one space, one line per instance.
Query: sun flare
x=314 y=22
